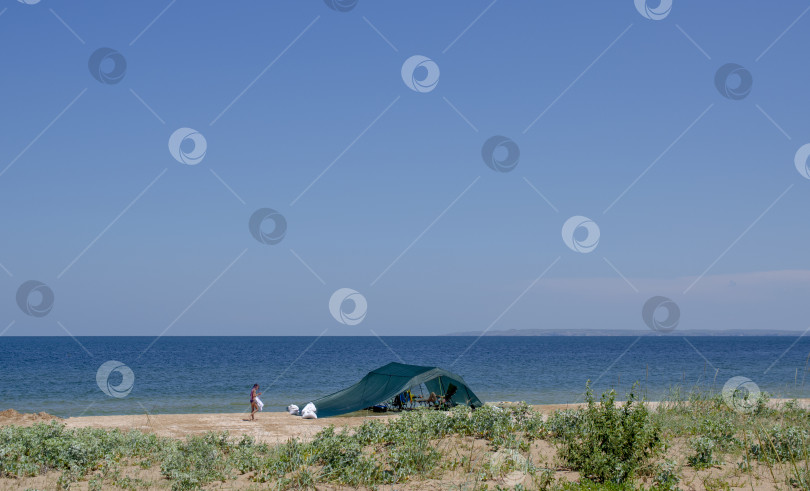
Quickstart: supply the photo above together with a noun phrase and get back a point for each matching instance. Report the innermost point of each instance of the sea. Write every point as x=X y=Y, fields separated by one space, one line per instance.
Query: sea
x=87 y=376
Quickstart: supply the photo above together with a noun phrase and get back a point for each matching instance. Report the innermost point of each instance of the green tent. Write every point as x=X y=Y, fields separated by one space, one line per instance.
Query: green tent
x=384 y=383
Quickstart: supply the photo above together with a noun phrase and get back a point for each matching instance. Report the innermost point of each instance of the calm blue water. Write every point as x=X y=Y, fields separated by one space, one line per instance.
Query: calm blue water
x=214 y=374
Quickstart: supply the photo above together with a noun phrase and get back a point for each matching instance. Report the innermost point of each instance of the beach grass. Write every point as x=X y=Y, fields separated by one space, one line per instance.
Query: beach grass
x=694 y=440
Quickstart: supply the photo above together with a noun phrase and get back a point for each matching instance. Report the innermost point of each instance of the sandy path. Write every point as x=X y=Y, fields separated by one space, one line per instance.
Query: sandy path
x=269 y=427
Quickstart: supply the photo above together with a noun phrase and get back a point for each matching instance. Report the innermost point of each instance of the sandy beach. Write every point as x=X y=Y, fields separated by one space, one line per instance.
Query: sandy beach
x=279 y=427
x=269 y=427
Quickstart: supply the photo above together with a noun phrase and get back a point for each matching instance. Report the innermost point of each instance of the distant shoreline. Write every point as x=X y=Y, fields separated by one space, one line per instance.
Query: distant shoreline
x=506 y=333
x=626 y=332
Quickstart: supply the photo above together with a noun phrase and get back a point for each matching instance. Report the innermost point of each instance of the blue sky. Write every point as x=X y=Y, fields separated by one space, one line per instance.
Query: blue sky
x=133 y=242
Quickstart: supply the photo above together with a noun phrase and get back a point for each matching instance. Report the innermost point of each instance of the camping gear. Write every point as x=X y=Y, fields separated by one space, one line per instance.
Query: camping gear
x=446 y=402
x=403 y=400
x=293 y=409
x=309 y=411
x=430 y=401
x=384 y=383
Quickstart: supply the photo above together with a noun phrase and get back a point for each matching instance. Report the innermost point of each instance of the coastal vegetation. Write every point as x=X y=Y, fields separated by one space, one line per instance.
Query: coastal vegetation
x=692 y=441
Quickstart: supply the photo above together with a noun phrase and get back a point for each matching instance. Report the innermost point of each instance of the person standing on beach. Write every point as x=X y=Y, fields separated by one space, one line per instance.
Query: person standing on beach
x=254 y=406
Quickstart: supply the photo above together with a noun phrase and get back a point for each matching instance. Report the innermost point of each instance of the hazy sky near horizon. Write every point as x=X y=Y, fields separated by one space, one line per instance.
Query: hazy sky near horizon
x=304 y=110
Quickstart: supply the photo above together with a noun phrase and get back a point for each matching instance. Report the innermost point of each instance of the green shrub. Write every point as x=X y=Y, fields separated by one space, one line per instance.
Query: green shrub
x=197 y=461
x=34 y=450
x=303 y=479
x=721 y=429
x=703 y=457
x=609 y=443
x=712 y=483
x=413 y=459
x=588 y=485
x=716 y=432
x=564 y=423
x=342 y=459
x=800 y=478
x=371 y=432
x=245 y=455
x=761 y=408
x=667 y=475
x=542 y=480
x=781 y=443
x=283 y=459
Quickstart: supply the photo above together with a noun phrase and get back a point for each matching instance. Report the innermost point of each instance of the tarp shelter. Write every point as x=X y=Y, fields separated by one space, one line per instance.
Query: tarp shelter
x=384 y=383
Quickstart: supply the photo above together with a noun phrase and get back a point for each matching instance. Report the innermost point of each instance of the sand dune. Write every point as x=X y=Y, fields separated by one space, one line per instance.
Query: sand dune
x=269 y=427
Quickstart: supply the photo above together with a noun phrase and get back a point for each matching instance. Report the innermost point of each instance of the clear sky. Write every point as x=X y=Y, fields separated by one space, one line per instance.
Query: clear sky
x=304 y=110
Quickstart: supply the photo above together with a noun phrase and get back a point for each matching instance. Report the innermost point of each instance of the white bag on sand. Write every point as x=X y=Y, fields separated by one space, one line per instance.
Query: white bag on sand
x=309 y=411
x=293 y=409
x=259 y=403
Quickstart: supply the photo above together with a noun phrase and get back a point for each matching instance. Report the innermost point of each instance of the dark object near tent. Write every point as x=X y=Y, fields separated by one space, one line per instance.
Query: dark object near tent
x=386 y=382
